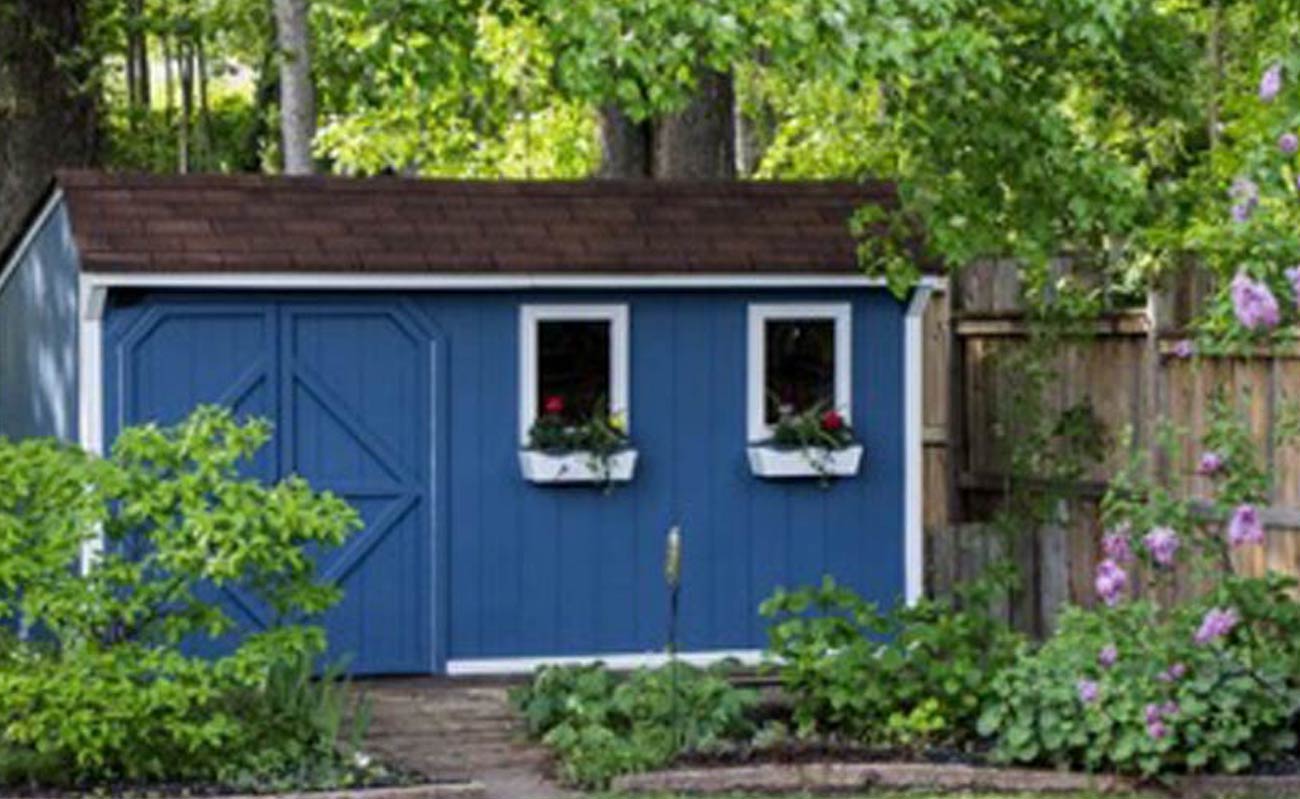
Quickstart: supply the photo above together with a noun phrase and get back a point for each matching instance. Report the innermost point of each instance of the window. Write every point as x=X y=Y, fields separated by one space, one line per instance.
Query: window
x=576 y=353
x=798 y=359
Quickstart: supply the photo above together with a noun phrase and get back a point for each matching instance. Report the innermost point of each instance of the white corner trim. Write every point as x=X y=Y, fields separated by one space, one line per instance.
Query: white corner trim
x=841 y=313
x=531 y=314
x=90 y=384
x=913 y=453
x=29 y=235
x=626 y=661
x=434 y=281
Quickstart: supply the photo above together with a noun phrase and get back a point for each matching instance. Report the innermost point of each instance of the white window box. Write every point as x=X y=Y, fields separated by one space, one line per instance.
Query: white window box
x=766 y=460
x=575 y=467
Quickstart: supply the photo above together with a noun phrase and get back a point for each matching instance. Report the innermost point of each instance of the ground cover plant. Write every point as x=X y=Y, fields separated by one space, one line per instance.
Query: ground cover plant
x=910 y=677
x=602 y=725
x=101 y=680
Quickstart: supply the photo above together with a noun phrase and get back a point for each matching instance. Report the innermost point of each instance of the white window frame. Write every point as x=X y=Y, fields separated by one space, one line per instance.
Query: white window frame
x=529 y=317
x=841 y=313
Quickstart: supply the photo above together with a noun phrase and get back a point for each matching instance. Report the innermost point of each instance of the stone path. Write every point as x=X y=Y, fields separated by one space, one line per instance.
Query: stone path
x=460 y=728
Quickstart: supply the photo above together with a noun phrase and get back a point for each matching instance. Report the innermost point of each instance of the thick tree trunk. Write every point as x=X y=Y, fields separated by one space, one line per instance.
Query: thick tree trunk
x=297 y=93
x=47 y=115
x=699 y=142
x=624 y=145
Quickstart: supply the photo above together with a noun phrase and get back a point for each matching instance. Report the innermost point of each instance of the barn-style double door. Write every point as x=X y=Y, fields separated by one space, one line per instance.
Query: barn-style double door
x=347 y=385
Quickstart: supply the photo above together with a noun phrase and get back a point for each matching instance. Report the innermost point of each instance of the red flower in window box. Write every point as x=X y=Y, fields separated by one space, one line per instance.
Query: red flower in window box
x=554 y=404
x=832 y=420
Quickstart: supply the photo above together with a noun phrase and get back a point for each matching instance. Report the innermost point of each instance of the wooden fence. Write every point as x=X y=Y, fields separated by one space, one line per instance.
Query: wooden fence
x=1129 y=374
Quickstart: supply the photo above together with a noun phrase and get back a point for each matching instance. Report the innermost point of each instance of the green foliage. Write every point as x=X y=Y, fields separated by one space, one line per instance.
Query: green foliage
x=1232 y=708
x=911 y=676
x=102 y=688
x=456 y=89
x=602 y=725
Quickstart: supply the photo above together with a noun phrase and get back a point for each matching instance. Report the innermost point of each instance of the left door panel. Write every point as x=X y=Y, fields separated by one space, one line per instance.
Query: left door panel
x=347 y=387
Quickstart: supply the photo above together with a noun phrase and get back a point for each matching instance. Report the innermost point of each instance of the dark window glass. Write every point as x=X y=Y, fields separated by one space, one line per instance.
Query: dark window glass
x=573 y=365
x=800 y=365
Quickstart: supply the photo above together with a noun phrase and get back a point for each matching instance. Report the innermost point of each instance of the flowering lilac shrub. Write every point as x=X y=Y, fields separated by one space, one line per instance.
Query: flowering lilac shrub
x=1208 y=685
x=1208 y=682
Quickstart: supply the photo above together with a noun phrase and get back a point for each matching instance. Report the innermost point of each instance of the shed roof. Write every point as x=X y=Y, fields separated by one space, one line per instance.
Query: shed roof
x=259 y=223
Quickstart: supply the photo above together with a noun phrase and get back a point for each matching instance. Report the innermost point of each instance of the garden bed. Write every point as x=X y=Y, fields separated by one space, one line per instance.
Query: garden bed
x=825 y=778
x=459 y=789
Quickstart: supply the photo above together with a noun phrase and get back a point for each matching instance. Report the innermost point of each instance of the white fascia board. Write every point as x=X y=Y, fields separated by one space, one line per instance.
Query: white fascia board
x=433 y=281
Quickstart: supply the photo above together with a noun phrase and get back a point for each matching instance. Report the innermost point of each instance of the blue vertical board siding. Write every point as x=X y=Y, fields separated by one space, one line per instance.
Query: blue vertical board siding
x=533 y=570
x=38 y=336
x=346 y=420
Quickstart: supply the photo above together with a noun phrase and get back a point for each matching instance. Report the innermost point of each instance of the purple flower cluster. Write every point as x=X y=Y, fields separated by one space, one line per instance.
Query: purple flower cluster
x=1155 y=718
x=1245 y=527
x=1184 y=348
x=1293 y=277
x=1254 y=303
x=1116 y=546
x=1216 y=624
x=1162 y=544
x=1270 y=83
x=1211 y=464
x=1088 y=691
x=1111 y=582
x=1172 y=674
x=1288 y=143
x=1245 y=193
x=1107 y=656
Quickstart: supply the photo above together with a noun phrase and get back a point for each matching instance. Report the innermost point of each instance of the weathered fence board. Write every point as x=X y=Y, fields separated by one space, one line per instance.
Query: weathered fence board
x=1127 y=371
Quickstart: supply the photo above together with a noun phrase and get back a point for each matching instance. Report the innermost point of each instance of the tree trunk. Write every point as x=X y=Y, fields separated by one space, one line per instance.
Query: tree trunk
x=700 y=141
x=297 y=93
x=624 y=145
x=47 y=114
x=265 y=97
x=754 y=134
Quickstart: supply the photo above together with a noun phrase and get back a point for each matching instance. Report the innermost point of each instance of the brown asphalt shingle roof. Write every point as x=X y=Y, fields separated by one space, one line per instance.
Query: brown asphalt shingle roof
x=252 y=223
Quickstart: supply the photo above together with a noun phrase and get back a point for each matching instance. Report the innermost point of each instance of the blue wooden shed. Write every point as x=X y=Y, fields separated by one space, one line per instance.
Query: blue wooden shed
x=406 y=337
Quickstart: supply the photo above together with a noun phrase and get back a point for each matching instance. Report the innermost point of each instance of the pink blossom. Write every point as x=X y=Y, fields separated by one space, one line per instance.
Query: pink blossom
x=1162 y=544
x=1157 y=729
x=1116 y=546
x=1111 y=581
x=1211 y=464
x=1288 y=143
x=1184 y=348
x=1254 y=303
x=1245 y=527
x=1270 y=83
x=1107 y=656
x=1088 y=691
x=1216 y=624
x=1169 y=709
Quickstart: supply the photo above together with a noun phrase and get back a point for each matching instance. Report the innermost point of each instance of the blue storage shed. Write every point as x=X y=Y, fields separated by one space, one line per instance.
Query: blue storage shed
x=415 y=342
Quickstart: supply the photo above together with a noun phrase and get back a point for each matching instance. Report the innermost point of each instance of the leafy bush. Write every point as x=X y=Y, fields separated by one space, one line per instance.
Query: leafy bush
x=1167 y=682
x=1129 y=689
x=102 y=687
x=913 y=676
x=601 y=725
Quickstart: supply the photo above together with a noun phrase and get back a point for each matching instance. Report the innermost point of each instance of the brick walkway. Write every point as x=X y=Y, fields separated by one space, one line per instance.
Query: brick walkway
x=458 y=729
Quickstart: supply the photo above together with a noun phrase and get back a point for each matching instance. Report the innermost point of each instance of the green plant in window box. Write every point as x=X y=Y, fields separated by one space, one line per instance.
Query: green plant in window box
x=815 y=432
x=601 y=435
